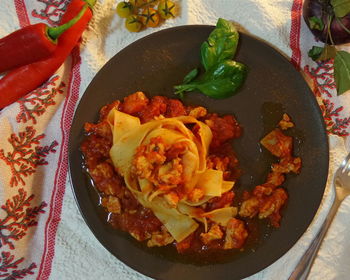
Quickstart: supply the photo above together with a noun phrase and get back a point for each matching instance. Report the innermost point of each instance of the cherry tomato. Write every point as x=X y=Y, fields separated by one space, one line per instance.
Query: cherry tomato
x=138 y=3
x=166 y=9
x=150 y=17
x=124 y=9
x=133 y=24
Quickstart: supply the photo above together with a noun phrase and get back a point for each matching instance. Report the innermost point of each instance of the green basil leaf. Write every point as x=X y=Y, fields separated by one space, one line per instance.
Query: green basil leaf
x=316 y=23
x=224 y=86
x=315 y=52
x=222 y=76
x=220 y=88
x=221 y=44
x=341 y=7
x=221 y=81
x=191 y=76
x=342 y=71
x=329 y=52
x=226 y=68
x=208 y=55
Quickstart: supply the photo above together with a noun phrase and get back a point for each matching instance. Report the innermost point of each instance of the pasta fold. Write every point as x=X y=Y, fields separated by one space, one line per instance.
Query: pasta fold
x=163 y=163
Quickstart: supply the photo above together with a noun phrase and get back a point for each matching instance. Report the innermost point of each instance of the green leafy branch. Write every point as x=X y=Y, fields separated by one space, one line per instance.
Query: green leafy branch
x=340 y=9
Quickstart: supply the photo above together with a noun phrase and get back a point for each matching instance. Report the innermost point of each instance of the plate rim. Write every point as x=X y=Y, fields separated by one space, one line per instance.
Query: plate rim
x=273 y=48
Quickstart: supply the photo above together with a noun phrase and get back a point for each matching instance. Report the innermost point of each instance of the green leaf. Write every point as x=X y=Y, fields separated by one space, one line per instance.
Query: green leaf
x=316 y=23
x=329 y=52
x=222 y=76
x=221 y=44
x=208 y=56
x=191 y=76
x=342 y=71
x=325 y=53
x=341 y=7
x=315 y=52
x=226 y=68
x=221 y=81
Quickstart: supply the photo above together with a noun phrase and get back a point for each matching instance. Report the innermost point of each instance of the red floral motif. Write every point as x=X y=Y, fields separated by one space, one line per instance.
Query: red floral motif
x=8 y=267
x=324 y=88
x=37 y=101
x=334 y=124
x=26 y=154
x=52 y=12
x=19 y=217
x=322 y=77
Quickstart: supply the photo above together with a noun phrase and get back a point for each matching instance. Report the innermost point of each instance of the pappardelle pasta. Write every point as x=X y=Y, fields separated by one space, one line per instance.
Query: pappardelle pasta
x=166 y=173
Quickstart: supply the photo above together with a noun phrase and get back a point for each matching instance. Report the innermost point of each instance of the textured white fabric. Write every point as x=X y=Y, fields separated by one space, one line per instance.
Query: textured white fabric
x=271 y=22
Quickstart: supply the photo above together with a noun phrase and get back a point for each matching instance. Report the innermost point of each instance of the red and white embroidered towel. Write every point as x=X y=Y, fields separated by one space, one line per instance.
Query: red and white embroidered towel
x=42 y=234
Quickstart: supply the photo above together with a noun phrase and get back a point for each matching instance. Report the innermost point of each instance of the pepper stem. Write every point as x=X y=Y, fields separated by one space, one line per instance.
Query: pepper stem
x=55 y=32
x=91 y=3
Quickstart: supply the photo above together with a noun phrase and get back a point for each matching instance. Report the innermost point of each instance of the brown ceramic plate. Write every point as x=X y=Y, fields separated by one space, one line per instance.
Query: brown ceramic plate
x=155 y=64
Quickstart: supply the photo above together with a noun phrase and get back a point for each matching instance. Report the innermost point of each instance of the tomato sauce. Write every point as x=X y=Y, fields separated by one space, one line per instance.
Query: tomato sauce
x=140 y=222
x=135 y=219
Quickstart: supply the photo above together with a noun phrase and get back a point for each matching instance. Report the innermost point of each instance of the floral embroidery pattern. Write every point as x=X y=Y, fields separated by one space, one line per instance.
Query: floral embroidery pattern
x=36 y=103
x=335 y=125
x=19 y=217
x=325 y=87
x=13 y=226
x=52 y=12
x=26 y=154
x=322 y=77
x=8 y=267
x=23 y=154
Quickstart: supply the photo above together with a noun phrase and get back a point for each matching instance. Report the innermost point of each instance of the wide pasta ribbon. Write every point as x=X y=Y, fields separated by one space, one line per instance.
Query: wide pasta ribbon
x=181 y=218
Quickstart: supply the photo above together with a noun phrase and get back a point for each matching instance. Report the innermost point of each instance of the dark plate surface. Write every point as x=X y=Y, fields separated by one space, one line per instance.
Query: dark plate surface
x=153 y=65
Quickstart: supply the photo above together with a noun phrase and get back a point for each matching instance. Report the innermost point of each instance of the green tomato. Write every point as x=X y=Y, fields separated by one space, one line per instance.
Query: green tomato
x=124 y=9
x=133 y=24
x=166 y=9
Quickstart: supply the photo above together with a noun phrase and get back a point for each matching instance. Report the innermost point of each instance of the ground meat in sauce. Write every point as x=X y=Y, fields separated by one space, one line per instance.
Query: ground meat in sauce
x=128 y=215
x=266 y=200
x=223 y=128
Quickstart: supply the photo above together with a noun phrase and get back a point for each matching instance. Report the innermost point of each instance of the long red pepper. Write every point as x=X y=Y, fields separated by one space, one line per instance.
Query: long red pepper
x=19 y=48
x=30 y=44
x=25 y=79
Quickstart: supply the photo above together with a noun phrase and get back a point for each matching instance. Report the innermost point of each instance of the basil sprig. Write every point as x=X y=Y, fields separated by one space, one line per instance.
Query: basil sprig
x=222 y=76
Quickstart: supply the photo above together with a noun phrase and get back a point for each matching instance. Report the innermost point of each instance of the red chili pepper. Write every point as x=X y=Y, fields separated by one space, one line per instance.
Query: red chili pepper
x=25 y=79
x=30 y=44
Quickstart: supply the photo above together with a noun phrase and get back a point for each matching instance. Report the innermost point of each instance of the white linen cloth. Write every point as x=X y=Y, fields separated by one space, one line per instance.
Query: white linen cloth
x=60 y=245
